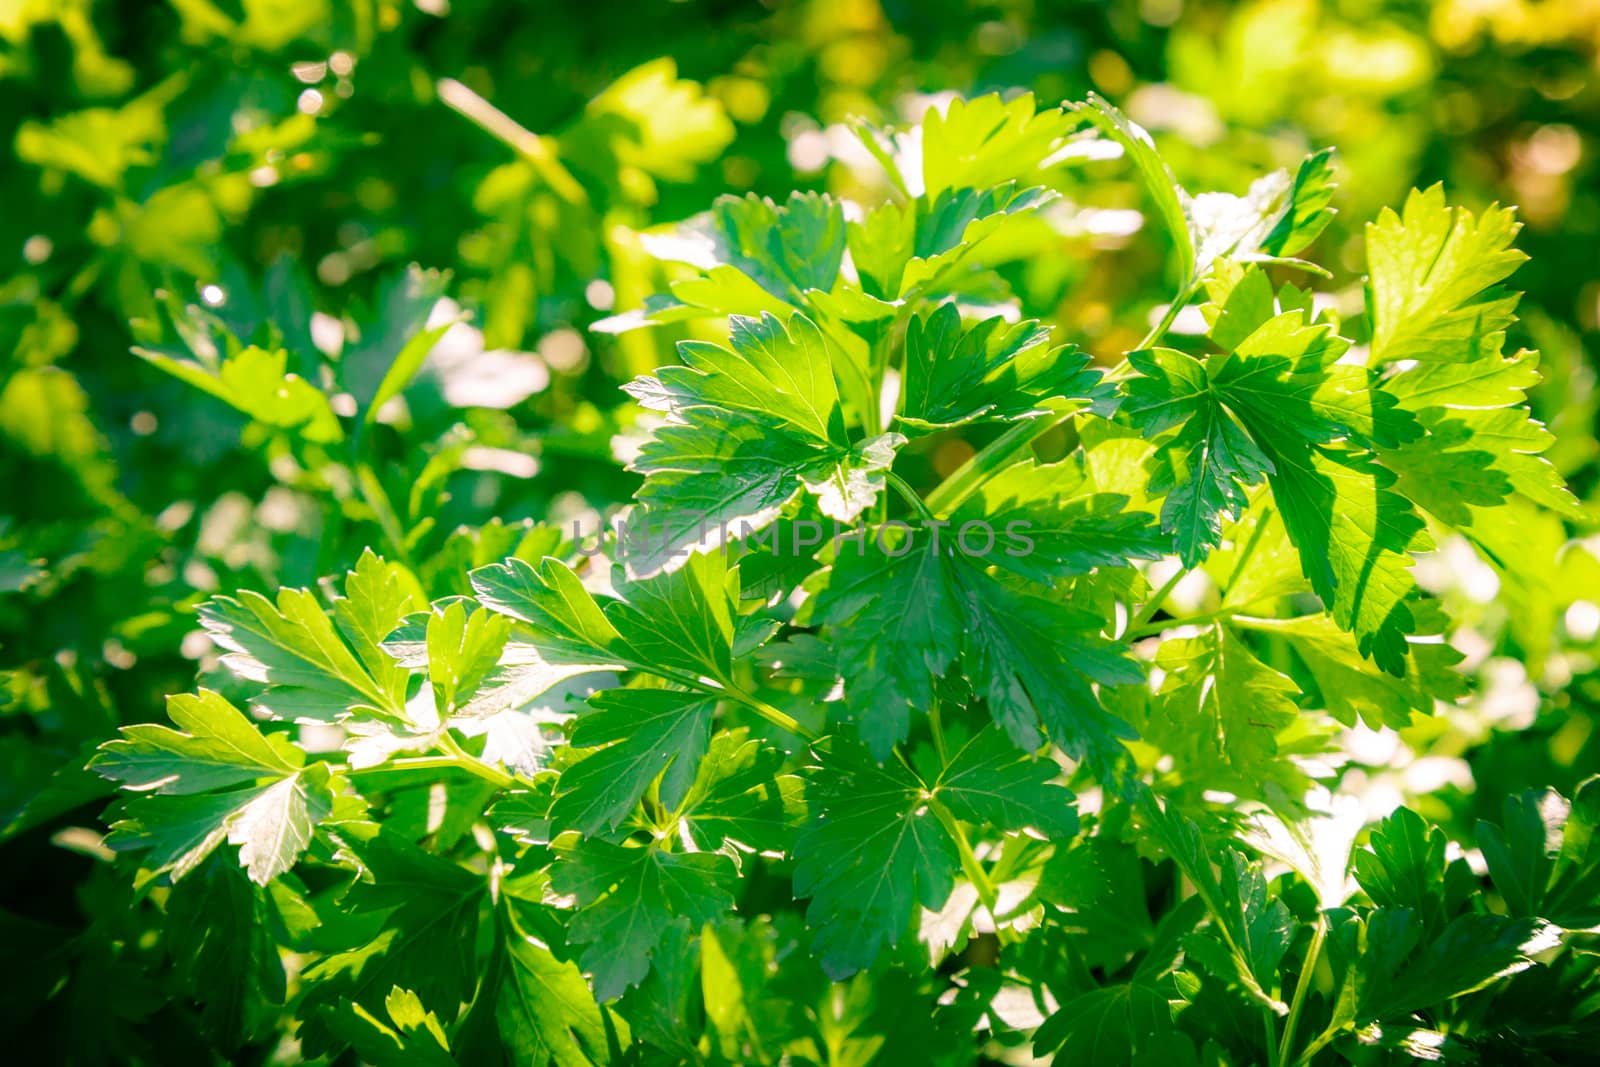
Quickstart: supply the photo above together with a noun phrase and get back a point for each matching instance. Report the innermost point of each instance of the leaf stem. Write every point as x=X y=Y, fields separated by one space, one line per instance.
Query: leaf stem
x=1317 y=1044
x=908 y=494
x=1157 y=598
x=1268 y=1024
x=1157 y=332
x=1250 y=545
x=1307 y=972
x=472 y=764
x=781 y=719
x=726 y=687
x=1160 y=329
x=457 y=758
x=969 y=860
x=994 y=457
x=1203 y=618
x=405 y=763
x=535 y=149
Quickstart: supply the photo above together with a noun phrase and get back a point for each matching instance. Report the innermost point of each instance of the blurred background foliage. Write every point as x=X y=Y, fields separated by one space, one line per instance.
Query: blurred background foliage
x=268 y=198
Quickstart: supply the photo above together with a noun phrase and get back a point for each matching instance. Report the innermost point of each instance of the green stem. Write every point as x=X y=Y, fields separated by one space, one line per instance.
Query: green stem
x=781 y=719
x=406 y=763
x=473 y=765
x=1250 y=545
x=994 y=457
x=969 y=860
x=908 y=494
x=535 y=149
x=726 y=687
x=1157 y=598
x=1269 y=1023
x=1308 y=970
x=1158 y=331
x=457 y=758
x=1317 y=1045
x=1202 y=619
x=1260 y=625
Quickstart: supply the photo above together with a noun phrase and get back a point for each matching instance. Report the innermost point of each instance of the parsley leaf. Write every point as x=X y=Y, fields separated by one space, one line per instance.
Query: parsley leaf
x=222 y=780
x=995 y=370
x=629 y=897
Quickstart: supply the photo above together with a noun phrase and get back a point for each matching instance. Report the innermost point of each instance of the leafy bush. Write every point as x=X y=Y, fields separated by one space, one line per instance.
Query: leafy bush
x=889 y=725
x=878 y=674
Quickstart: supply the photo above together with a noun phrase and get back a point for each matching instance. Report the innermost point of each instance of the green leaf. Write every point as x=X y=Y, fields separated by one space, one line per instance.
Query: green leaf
x=922 y=249
x=1278 y=405
x=292 y=647
x=1025 y=691
x=419 y=916
x=903 y=607
x=1048 y=524
x=481 y=667
x=786 y=249
x=1158 y=181
x=1388 y=968
x=742 y=794
x=463 y=649
x=677 y=622
x=394 y=340
x=872 y=853
x=544 y=1009
x=413 y=1035
x=1541 y=856
x=1434 y=269
x=1352 y=690
x=258 y=383
x=568 y=626
x=780 y=374
x=977 y=144
x=1276 y=217
x=1219 y=715
x=708 y=486
x=988 y=783
x=1309 y=213
x=98 y=144
x=1125 y=1024
x=994 y=370
x=271 y=825
x=1253 y=934
x=1207 y=467
x=270 y=820
x=750 y=426
x=1406 y=865
x=377 y=596
x=647 y=734
x=895 y=632
x=660 y=123
x=681 y=619
x=1315 y=842
x=222 y=748
x=1468 y=954
x=628 y=897
x=1573 y=898
x=221 y=940
x=1481 y=447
